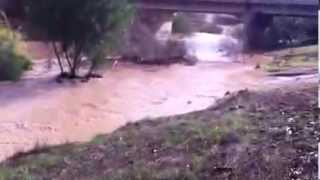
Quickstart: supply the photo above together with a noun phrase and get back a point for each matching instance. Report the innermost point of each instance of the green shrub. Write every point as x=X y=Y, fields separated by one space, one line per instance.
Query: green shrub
x=12 y=61
x=79 y=29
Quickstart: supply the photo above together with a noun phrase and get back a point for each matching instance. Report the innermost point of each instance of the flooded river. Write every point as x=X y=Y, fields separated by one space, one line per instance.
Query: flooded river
x=38 y=111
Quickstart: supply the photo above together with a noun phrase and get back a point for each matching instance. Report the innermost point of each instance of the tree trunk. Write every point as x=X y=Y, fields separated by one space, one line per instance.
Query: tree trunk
x=58 y=57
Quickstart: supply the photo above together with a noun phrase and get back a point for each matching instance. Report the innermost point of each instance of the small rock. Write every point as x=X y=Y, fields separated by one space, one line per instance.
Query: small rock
x=154 y=150
x=227 y=93
x=289 y=130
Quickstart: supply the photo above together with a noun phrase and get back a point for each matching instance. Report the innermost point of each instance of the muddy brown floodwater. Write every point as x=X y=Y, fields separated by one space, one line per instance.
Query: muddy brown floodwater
x=38 y=111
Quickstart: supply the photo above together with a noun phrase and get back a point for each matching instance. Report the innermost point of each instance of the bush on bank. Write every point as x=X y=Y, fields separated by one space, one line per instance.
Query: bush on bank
x=80 y=30
x=12 y=61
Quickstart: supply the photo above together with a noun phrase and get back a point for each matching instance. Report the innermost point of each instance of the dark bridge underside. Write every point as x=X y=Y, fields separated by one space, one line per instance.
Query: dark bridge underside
x=272 y=7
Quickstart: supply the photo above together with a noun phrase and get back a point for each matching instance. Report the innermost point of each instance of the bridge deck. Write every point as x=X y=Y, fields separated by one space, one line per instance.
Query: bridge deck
x=265 y=2
x=274 y=7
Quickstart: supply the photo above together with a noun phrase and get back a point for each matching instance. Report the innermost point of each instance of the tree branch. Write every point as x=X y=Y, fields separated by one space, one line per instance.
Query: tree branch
x=58 y=57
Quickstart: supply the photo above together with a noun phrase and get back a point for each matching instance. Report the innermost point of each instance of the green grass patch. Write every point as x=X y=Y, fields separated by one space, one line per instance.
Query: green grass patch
x=306 y=50
x=26 y=166
x=20 y=173
x=285 y=64
x=284 y=60
x=98 y=140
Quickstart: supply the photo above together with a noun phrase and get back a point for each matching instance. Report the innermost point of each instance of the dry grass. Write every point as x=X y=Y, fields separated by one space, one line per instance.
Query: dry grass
x=284 y=60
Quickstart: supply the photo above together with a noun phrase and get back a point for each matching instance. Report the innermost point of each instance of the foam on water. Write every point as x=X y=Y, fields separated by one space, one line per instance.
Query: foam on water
x=210 y=47
x=204 y=46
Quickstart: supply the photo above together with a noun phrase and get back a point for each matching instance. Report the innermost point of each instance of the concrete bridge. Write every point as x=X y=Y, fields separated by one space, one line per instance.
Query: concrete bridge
x=257 y=15
x=270 y=7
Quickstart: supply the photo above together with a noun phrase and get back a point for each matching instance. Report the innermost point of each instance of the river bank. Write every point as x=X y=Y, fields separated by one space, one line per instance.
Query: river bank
x=246 y=136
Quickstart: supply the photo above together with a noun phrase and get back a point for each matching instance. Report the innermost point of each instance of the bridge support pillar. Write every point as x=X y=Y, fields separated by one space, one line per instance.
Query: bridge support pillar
x=141 y=37
x=255 y=27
